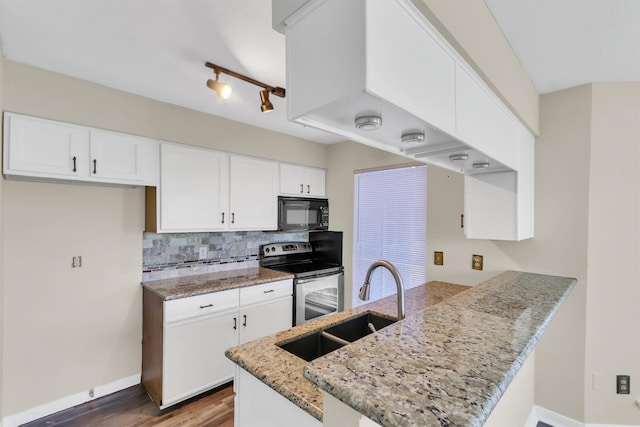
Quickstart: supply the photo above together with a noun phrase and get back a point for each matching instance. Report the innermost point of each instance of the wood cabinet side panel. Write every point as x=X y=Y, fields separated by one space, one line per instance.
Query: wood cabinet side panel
x=152 y=341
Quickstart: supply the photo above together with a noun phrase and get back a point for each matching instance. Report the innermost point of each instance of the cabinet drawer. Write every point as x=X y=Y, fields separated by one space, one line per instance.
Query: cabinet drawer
x=185 y=308
x=266 y=291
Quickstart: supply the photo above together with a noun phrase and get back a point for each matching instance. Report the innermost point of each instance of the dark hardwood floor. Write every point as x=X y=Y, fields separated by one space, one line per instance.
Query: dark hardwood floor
x=132 y=407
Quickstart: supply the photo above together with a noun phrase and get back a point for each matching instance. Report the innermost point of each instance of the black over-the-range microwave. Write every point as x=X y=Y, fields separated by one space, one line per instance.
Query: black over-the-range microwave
x=302 y=214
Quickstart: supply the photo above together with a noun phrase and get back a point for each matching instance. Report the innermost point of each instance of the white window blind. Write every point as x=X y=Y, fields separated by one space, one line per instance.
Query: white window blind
x=390 y=222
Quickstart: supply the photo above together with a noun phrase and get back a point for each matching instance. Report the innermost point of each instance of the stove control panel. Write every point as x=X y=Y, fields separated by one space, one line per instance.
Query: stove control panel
x=285 y=248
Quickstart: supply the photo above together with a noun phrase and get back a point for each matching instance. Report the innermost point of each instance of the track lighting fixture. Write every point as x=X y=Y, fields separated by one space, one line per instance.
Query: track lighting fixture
x=224 y=90
x=266 y=105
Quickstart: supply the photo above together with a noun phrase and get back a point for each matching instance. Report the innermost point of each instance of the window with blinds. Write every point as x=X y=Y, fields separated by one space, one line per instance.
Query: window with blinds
x=390 y=222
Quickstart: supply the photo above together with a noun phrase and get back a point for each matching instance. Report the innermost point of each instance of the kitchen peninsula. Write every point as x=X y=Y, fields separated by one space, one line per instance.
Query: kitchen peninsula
x=448 y=363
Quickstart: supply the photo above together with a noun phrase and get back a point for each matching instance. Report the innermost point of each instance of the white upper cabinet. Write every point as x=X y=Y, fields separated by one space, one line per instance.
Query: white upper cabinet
x=253 y=193
x=385 y=59
x=500 y=205
x=506 y=137
x=193 y=191
x=45 y=149
x=474 y=113
x=122 y=157
x=298 y=180
x=396 y=62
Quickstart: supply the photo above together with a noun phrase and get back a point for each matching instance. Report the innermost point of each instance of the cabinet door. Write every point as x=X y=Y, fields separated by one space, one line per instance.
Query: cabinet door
x=194 y=357
x=292 y=179
x=253 y=192
x=526 y=194
x=260 y=320
x=315 y=182
x=193 y=189
x=120 y=157
x=44 y=148
x=474 y=113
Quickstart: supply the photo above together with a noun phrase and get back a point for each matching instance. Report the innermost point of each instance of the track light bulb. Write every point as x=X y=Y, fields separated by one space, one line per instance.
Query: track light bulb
x=266 y=105
x=222 y=89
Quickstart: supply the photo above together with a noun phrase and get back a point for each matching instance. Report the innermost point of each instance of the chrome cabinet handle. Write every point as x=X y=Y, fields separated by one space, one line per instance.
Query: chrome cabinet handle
x=94 y=165
x=223 y=217
x=206 y=306
x=235 y=326
x=74 y=164
x=244 y=322
x=301 y=188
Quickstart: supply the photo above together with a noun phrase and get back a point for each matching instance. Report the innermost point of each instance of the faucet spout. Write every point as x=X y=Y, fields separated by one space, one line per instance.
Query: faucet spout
x=365 y=289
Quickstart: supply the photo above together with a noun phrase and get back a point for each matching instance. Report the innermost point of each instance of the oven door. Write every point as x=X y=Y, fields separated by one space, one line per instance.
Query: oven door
x=318 y=297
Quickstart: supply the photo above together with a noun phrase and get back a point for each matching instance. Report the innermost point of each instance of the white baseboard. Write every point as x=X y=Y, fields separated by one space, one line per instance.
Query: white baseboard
x=68 y=402
x=556 y=420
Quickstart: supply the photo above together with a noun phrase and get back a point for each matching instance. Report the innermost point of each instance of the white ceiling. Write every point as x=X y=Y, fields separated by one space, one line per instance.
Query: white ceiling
x=157 y=48
x=567 y=43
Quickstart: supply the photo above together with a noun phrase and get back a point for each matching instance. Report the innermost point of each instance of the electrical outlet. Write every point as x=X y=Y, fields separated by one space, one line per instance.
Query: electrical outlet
x=76 y=262
x=202 y=252
x=476 y=262
x=623 y=384
x=438 y=258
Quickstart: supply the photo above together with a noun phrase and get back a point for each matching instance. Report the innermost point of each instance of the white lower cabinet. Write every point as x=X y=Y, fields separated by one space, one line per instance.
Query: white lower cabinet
x=256 y=404
x=194 y=358
x=184 y=340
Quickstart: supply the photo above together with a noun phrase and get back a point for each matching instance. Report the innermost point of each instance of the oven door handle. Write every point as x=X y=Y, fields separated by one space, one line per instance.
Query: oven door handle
x=314 y=278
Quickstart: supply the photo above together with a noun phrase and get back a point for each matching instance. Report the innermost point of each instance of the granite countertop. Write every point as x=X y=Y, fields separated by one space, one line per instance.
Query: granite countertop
x=282 y=371
x=191 y=285
x=451 y=363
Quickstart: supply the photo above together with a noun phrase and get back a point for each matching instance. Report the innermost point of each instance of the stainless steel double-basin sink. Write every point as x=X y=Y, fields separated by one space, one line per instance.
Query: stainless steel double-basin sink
x=324 y=341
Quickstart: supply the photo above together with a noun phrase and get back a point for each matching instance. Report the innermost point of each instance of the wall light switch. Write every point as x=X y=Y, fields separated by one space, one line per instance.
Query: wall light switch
x=438 y=258
x=476 y=262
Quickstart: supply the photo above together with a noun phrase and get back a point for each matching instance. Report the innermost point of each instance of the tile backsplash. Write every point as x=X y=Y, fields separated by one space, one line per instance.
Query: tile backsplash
x=168 y=251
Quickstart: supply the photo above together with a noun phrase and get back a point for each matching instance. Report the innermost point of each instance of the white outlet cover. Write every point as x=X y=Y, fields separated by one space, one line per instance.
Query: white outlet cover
x=202 y=253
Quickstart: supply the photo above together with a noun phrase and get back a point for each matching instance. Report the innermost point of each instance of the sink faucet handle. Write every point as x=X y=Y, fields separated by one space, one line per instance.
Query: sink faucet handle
x=365 y=291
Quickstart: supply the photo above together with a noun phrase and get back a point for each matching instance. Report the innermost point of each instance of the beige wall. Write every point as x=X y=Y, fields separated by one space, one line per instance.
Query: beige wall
x=67 y=330
x=1 y=254
x=613 y=291
x=472 y=30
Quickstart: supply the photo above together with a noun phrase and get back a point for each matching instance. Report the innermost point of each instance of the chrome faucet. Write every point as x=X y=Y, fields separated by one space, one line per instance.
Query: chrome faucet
x=364 y=290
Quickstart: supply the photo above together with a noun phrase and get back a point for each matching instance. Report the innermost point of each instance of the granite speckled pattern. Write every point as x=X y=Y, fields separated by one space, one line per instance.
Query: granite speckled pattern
x=450 y=364
x=192 y=285
x=282 y=371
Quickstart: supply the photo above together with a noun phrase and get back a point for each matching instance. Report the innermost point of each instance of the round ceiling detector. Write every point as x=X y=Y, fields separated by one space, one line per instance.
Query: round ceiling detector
x=368 y=122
